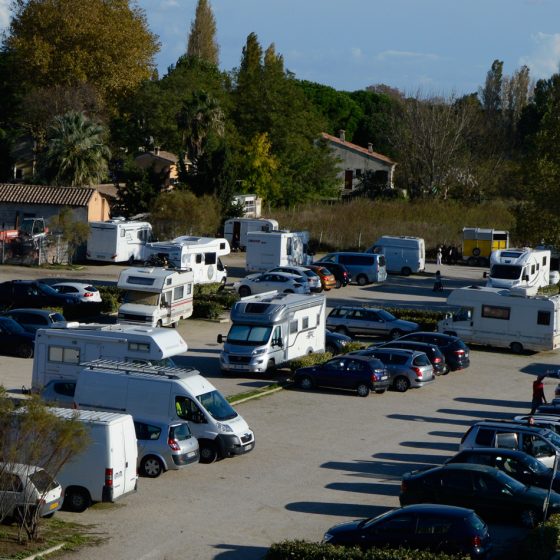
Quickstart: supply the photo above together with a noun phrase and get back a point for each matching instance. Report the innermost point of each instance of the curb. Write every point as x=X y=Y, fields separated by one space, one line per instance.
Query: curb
x=45 y=552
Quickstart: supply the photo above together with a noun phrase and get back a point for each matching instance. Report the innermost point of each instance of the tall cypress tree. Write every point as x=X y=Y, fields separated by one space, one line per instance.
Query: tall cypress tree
x=202 y=39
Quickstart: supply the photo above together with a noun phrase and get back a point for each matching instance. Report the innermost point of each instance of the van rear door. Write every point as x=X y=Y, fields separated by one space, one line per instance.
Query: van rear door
x=130 y=454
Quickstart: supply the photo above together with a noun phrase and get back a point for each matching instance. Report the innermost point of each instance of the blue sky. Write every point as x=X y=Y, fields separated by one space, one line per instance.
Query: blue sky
x=429 y=46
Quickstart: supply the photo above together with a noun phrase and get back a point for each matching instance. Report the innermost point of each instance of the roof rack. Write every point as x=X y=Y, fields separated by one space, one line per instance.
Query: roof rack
x=131 y=367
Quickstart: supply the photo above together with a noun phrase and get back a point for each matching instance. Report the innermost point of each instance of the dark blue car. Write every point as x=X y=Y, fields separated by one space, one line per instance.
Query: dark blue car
x=15 y=340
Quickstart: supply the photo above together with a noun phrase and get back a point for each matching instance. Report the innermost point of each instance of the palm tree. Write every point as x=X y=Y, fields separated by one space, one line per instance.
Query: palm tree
x=76 y=154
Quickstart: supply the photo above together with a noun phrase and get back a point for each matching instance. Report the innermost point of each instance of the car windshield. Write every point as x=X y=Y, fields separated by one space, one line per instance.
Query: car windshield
x=506 y=271
x=48 y=290
x=512 y=484
x=553 y=438
x=536 y=466
x=217 y=406
x=249 y=334
x=180 y=432
x=54 y=317
x=385 y=315
x=43 y=481
x=367 y=522
x=11 y=326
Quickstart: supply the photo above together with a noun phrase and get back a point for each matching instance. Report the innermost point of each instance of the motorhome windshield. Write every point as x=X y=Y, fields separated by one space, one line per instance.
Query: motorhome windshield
x=250 y=335
x=217 y=406
x=506 y=271
x=143 y=298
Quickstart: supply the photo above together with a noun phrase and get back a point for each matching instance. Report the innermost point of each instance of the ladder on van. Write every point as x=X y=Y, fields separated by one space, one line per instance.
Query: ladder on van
x=132 y=368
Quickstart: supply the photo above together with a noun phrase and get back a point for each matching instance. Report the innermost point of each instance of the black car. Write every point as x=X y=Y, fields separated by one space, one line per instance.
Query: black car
x=340 y=272
x=31 y=293
x=357 y=373
x=456 y=352
x=518 y=465
x=335 y=342
x=15 y=340
x=435 y=355
x=490 y=492
x=448 y=529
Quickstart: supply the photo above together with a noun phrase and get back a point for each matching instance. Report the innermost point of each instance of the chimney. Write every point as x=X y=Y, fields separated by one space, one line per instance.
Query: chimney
x=342 y=135
x=370 y=147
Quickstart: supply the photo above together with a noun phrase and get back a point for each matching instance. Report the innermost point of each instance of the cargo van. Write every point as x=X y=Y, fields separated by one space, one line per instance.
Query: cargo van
x=105 y=469
x=403 y=255
x=236 y=230
x=163 y=393
x=59 y=352
x=365 y=268
x=266 y=250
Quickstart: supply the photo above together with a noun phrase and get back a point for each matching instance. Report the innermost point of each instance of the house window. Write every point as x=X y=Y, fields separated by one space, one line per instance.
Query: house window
x=358 y=173
x=348 y=179
x=543 y=318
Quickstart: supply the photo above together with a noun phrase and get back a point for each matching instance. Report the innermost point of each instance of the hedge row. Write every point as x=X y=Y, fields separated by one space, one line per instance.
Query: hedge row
x=543 y=541
x=210 y=301
x=425 y=318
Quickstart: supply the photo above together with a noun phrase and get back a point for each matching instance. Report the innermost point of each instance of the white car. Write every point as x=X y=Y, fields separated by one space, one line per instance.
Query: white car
x=85 y=292
x=268 y=281
x=313 y=278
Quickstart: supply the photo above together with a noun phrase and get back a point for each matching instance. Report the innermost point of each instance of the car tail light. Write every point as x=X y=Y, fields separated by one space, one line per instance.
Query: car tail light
x=88 y=294
x=173 y=444
x=345 y=274
x=108 y=477
x=476 y=541
x=437 y=360
x=417 y=371
x=459 y=352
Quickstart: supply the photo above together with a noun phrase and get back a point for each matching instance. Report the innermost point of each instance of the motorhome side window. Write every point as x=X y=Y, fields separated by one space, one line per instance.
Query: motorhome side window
x=289 y=246
x=210 y=258
x=198 y=259
x=305 y=323
x=294 y=326
x=139 y=346
x=495 y=312
x=63 y=355
x=122 y=232
x=178 y=293
x=543 y=318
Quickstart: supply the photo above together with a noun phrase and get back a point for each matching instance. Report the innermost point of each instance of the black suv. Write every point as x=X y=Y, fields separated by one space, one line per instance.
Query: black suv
x=435 y=355
x=456 y=352
x=31 y=293
x=339 y=271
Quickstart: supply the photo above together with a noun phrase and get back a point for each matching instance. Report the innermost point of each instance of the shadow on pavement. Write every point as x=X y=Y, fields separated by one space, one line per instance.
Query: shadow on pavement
x=354 y=511
x=367 y=488
x=492 y=402
x=238 y=552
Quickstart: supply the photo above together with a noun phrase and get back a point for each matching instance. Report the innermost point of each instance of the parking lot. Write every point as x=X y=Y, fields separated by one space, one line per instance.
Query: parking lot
x=321 y=457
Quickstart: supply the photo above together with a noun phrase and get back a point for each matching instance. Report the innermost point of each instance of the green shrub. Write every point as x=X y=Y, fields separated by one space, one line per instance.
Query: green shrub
x=542 y=542
x=310 y=360
x=206 y=310
x=111 y=298
x=353 y=346
x=427 y=319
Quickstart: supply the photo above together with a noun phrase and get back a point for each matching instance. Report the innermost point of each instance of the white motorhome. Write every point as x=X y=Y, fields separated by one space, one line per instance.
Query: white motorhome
x=105 y=469
x=59 y=352
x=503 y=318
x=199 y=254
x=161 y=393
x=155 y=296
x=266 y=250
x=511 y=268
x=118 y=240
x=403 y=255
x=236 y=229
x=271 y=329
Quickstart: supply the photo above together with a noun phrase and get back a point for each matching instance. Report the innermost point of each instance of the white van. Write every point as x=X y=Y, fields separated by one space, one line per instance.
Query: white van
x=105 y=469
x=403 y=255
x=59 y=352
x=365 y=268
x=165 y=394
x=155 y=296
x=266 y=250
x=236 y=229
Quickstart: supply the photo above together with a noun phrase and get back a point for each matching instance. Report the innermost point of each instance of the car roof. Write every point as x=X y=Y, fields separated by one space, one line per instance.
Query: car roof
x=493 y=451
x=34 y=311
x=510 y=424
x=387 y=349
x=413 y=343
x=357 y=307
x=442 y=336
x=74 y=284
x=452 y=511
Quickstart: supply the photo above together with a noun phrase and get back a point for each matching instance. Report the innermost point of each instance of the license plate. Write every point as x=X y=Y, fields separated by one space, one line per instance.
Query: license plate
x=54 y=505
x=191 y=454
x=383 y=377
x=236 y=367
x=248 y=447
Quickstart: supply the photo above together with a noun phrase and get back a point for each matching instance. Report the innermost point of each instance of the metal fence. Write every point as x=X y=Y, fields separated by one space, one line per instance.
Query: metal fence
x=50 y=249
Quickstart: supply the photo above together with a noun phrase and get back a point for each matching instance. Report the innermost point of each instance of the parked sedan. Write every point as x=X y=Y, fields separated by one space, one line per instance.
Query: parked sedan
x=31 y=293
x=86 y=293
x=335 y=342
x=15 y=340
x=33 y=319
x=435 y=355
x=327 y=278
x=313 y=278
x=268 y=281
x=356 y=373
x=341 y=275
x=487 y=490
x=448 y=529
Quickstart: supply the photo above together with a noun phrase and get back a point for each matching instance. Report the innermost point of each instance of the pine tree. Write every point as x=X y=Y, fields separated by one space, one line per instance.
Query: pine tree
x=202 y=39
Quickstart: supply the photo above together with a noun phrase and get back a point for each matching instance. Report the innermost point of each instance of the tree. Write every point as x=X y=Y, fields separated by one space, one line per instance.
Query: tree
x=72 y=42
x=74 y=232
x=491 y=94
x=76 y=154
x=202 y=39
x=137 y=190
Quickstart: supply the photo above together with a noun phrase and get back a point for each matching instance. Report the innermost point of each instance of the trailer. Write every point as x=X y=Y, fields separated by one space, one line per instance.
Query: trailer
x=199 y=254
x=236 y=230
x=270 y=329
x=118 y=240
x=511 y=268
x=478 y=244
x=503 y=318
x=266 y=250
x=155 y=296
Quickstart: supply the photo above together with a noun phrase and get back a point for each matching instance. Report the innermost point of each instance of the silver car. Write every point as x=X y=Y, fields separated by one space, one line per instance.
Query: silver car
x=164 y=446
x=268 y=281
x=313 y=278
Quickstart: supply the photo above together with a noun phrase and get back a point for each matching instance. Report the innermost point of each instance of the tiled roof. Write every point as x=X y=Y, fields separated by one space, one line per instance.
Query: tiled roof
x=163 y=155
x=39 y=194
x=357 y=148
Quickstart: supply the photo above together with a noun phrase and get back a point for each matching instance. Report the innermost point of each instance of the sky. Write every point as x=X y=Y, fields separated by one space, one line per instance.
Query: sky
x=432 y=47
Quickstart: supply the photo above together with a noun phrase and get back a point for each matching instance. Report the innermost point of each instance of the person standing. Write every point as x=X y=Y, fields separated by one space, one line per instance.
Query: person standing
x=538 y=394
x=439 y=255
x=438 y=284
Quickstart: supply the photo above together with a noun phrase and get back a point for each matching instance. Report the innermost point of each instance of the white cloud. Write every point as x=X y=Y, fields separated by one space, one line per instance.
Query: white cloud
x=4 y=13
x=357 y=52
x=385 y=55
x=545 y=59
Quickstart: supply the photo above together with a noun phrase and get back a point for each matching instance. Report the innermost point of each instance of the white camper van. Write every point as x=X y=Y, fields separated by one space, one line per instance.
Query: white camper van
x=503 y=318
x=105 y=469
x=271 y=329
x=403 y=255
x=59 y=352
x=199 y=254
x=118 y=240
x=161 y=393
x=510 y=268
x=155 y=296
x=236 y=229
x=266 y=250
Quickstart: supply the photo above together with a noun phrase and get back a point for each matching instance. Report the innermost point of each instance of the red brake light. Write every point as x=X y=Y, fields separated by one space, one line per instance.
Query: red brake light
x=88 y=294
x=417 y=371
x=108 y=477
x=173 y=444
x=437 y=360
x=476 y=541
x=459 y=352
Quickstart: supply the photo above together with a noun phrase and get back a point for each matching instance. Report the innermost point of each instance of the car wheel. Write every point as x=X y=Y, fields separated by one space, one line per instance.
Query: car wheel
x=516 y=347
x=175 y=324
x=342 y=330
x=332 y=349
x=208 y=452
x=529 y=518
x=472 y=261
x=244 y=291
x=25 y=350
x=159 y=324
x=401 y=384
x=406 y=271
x=76 y=500
x=380 y=391
x=151 y=466
x=395 y=333
x=305 y=383
x=361 y=280
x=363 y=390
x=271 y=366
x=338 y=285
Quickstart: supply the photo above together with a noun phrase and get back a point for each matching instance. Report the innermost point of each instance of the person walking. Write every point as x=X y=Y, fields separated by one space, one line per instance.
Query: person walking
x=439 y=256
x=538 y=394
x=438 y=284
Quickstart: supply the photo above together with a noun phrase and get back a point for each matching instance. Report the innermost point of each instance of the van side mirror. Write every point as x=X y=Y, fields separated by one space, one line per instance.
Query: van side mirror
x=220 y=339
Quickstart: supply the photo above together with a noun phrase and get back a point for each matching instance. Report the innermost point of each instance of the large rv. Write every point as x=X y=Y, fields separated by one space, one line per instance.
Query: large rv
x=511 y=268
x=118 y=240
x=266 y=250
x=155 y=296
x=236 y=229
x=199 y=254
x=478 y=244
x=503 y=318
x=271 y=329
x=403 y=255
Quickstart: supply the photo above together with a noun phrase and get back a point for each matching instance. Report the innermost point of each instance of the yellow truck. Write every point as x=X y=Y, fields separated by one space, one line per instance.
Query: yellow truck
x=478 y=244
